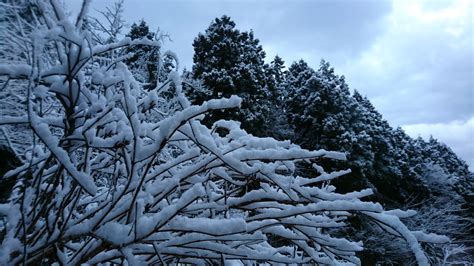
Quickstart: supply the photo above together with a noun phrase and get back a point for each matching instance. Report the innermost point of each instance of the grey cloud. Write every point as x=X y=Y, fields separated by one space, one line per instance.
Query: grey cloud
x=422 y=79
x=420 y=91
x=424 y=74
x=329 y=29
x=413 y=72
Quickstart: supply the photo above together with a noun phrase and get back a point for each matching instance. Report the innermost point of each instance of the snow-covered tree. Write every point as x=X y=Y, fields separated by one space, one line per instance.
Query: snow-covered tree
x=276 y=121
x=231 y=62
x=109 y=26
x=12 y=50
x=110 y=176
x=143 y=59
x=323 y=114
x=275 y=70
x=443 y=212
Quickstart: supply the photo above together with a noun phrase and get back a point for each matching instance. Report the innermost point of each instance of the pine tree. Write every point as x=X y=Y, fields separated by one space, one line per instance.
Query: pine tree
x=296 y=77
x=144 y=58
x=442 y=155
x=230 y=62
x=317 y=105
x=276 y=121
x=275 y=75
x=323 y=114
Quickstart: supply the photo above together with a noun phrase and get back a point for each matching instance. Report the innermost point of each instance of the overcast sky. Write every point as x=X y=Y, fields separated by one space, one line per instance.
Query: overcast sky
x=413 y=59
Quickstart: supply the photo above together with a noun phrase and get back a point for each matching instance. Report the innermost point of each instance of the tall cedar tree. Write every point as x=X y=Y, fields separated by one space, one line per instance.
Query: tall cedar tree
x=144 y=58
x=276 y=121
x=230 y=62
x=324 y=115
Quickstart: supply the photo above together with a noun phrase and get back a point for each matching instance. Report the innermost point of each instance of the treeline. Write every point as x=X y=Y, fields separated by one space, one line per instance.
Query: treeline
x=315 y=108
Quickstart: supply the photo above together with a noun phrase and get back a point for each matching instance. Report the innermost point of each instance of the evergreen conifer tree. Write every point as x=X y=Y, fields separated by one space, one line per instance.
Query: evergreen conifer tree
x=144 y=58
x=277 y=125
x=230 y=62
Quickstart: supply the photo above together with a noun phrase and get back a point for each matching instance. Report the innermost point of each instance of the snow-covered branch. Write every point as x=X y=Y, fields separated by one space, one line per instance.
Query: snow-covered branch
x=117 y=182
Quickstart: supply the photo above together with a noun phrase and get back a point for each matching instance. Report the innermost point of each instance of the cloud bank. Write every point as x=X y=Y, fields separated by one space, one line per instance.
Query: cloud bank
x=420 y=70
x=413 y=59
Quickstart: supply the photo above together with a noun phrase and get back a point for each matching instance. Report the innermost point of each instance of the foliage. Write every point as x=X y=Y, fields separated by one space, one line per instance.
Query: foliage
x=230 y=62
x=144 y=58
x=315 y=109
x=114 y=174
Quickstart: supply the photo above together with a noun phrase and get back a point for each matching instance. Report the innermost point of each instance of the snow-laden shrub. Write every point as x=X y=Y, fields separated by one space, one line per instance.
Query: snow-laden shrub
x=113 y=176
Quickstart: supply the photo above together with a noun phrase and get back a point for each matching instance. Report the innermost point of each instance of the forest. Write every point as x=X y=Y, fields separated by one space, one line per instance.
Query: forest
x=113 y=154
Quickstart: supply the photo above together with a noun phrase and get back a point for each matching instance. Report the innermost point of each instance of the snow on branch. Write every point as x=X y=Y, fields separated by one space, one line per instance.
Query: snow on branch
x=117 y=180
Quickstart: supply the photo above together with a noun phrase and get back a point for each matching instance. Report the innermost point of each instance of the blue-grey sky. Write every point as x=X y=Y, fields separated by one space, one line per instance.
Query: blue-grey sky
x=413 y=59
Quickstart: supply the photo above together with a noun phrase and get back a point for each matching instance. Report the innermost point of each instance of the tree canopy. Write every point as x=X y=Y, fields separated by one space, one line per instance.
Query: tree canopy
x=116 y=164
